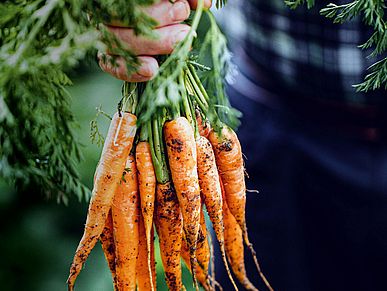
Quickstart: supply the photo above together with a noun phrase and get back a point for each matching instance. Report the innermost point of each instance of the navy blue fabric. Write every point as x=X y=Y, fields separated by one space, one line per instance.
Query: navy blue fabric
x=301 y=52
x=319 y=221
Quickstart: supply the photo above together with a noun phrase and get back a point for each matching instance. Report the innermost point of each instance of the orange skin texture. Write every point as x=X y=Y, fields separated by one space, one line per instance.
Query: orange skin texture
x=229 y=159
x=210 y=185
x=203 y=248
x=118 y=144
x=109 y=248
x=169 y=226
x=147 y=187
x=126 y=213
x=202 y=254
x=234 y=247
x=181 y=149
x=142 y=269
x=211 y=191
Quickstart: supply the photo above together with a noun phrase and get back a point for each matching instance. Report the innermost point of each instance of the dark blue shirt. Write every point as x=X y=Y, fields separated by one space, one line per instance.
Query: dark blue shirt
x=301 y=52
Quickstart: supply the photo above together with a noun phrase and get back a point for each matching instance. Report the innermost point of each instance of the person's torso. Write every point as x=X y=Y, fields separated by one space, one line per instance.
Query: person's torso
x=302 y=53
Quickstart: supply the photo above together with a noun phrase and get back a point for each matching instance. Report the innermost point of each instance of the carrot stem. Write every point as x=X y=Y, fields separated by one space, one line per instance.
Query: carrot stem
x=144 y=135
x=189 y=106
x=157 y=150
x=156 y=162
x=201 y=92
x=129 y=98
x=202 y=95
x=186 y=105
x=203 y=107
x=194 y=121
x=198 y=83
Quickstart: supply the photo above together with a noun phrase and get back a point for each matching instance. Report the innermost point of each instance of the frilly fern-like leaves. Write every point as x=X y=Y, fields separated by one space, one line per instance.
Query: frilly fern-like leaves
x=213 y=52
x=373 y=14
x=40 y=40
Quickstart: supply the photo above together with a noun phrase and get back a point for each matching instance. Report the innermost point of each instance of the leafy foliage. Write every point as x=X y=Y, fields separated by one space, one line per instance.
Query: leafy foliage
x=293 y=4
x=377 y=78
x=373 y=14
x=167 y=87
x=220 y=67
x=95 y=135
x=41 y=40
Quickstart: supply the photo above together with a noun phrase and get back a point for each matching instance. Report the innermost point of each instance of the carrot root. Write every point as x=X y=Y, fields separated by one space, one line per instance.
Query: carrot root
x=146 y=275
x=168 y=221
x=109 y=249
x=209 y=182
x=147 y=188
x=125 y=212
x=257 y=265
x=181 y=148
x=118 y=144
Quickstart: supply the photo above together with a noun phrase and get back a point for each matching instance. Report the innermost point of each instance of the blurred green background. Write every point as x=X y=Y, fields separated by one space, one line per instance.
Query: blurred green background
x=38 y=237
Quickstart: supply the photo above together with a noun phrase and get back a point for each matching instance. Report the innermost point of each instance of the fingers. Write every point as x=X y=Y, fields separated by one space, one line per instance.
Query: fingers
x=194 y=3
x=169 y=32
x=147 y=69
x=165 y=12
x=166 y=39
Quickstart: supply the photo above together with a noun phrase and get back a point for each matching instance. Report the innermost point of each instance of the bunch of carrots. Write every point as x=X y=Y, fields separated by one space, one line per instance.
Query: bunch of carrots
x=163 y=176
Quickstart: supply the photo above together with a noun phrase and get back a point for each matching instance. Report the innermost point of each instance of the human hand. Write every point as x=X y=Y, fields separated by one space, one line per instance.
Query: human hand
x=169 y=32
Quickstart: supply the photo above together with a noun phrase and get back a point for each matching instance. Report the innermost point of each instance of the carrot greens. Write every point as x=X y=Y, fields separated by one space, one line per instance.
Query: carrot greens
x=373 y=14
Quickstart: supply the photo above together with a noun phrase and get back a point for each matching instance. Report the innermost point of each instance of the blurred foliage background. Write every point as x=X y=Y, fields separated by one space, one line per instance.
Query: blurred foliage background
x=38 y=237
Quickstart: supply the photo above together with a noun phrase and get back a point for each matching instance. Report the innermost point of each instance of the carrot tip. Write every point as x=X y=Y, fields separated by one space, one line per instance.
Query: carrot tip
x=263 y=277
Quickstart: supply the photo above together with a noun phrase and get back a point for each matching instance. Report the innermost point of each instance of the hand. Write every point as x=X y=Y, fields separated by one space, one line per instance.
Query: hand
x=169 y=30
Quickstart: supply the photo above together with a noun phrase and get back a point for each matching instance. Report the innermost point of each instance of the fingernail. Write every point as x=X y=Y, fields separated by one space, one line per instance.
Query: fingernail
x=180 y=36
x=148 y=70
x=179 y=11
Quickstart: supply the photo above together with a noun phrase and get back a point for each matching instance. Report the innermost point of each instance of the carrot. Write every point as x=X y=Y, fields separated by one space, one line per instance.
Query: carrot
x=118 y=144
x=169 y=226
x=211 y=192
x=181 y=149
x=126 y=213
x=203 y=248
x=229 y=159
x=200 y=273
x=143 y=275
x=234 y=247
x=202 y=254
x=147 y=188
x=108 y=246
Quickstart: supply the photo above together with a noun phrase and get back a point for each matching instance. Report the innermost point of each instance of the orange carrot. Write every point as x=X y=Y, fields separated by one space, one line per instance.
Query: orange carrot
x=229 y=159
x=203 y=248
x=211 y=192
x=147 y=188
x=142 y=269
x=202 y=254
x=108 y=246
x=118 y=144
x=169 y=226
x=201 y=275
x=126 y=213
x=234 y=247
x=181 y=149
